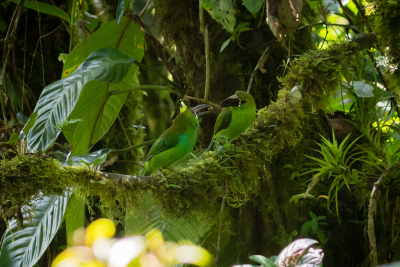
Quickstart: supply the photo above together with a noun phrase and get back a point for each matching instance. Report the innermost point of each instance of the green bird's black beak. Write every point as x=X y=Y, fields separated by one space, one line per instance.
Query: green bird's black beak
x=232 y=101
x=198 y=111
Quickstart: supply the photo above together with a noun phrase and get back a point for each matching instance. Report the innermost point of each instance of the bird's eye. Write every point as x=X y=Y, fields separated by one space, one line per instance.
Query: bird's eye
x=243 y=101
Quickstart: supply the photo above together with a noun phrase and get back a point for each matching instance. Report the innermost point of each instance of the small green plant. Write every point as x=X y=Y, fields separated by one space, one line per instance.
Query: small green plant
x=336 y=163
x=242 y=27
x=312 y=227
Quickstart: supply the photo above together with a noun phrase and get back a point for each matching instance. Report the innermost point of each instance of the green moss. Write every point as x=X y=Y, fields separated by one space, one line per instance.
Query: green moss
x=318 y=73
x=388 y=28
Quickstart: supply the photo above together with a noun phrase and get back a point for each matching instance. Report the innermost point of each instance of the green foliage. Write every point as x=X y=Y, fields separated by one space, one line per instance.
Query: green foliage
x=96 y=107
x=222 y=11
x=106 y=65
x=337 y=164
x=253 y=5
x=46 y=8
x=313 y=227
x=24 y=247
x=317 y=73
x=149 y=215
x=74 y=217
x=242 y=27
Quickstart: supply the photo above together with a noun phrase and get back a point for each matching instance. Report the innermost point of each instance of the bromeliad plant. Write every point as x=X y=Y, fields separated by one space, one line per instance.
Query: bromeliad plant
x=336 y=163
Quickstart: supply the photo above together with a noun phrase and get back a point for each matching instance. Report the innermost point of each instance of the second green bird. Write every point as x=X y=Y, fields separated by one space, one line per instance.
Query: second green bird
x=176 y=141
x=238 y=113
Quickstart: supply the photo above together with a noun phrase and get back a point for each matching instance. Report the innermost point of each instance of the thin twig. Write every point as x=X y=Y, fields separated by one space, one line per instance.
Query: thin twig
x=23 y=74
x=203 y=101
x=143 y=12
x=123 y=150
x=129 y=179
x=41 y=47
x=348 y=16
x=361 y=11
x=142 y=87
x=207 y=88
x=8 y=44
x=328 y=24
x=201 y=17
x=371 y=211
x=123 y=129
x=219 y=231
x=257 y=66
x=37 y=43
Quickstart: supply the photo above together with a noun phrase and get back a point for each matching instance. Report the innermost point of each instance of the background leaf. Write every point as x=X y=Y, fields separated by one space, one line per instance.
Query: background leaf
x=58 y=99
x=74 y=217
x=253 y=5
x=46 y=8
x=23 y=248
x=363 y=89
x=222 y=11
x=262 y=260
x=97 y=111
x=149 y=216
x=120 y=11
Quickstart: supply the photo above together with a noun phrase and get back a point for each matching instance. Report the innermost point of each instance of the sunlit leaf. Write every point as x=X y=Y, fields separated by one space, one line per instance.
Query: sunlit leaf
x=222 y=11
x=59 y=98
x=23 y=248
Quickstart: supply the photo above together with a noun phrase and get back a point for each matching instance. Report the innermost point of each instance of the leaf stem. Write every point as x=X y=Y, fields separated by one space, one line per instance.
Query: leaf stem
x=8 y=44
x=142 y=87
x=207 y=49
x=123 y=150
x=142 y=66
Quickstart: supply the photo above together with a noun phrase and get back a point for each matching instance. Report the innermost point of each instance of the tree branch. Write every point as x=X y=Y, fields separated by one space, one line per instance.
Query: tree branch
x=350 y=26
x=371 y=211
x=262 y=60
x=8 y=44
x=128 y=179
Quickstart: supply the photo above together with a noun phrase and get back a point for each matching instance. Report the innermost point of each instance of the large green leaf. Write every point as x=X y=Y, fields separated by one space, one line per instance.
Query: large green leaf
x=222 y=11
x=23 y=248
x=46 y=8
x=96 y=110
x=150 y=216
x=59 y=99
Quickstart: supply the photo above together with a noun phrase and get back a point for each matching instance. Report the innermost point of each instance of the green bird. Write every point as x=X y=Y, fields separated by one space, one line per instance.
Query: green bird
x=238 y=113
x=176 y=141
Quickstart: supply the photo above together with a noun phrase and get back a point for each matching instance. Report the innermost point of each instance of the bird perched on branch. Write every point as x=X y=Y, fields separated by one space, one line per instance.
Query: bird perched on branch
x=238 y=113
x=176 y=141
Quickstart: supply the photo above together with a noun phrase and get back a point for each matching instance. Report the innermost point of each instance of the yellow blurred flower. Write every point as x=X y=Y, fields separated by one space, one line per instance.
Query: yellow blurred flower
x=135 y=251
x=102 y=228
